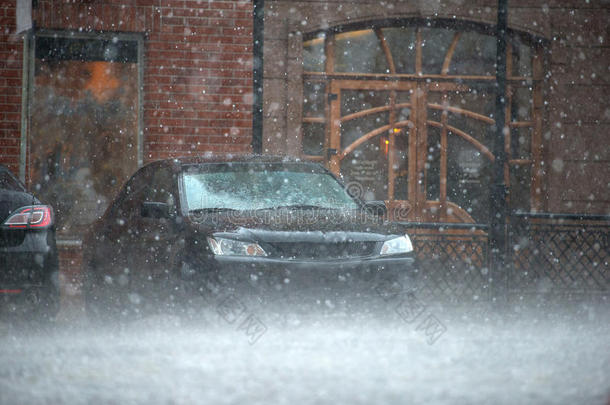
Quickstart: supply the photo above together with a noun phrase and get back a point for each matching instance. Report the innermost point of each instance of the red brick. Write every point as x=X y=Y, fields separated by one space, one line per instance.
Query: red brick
x=141 y=3
x=5 y=150
x=172 y=3
x=227 y=5
x=9 y=142
x=244 y=5
x=10 y=108
x=172 y=21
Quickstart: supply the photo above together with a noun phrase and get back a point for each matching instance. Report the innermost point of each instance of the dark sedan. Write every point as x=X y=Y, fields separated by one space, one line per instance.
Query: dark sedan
x=249 y=223
x=28 y=253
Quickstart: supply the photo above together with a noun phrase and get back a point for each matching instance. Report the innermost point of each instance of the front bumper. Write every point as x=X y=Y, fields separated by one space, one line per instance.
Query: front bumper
x=28 y=263
x=362 y=276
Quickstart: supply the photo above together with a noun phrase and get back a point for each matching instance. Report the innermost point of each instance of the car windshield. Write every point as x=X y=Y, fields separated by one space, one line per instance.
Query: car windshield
x=262 y=186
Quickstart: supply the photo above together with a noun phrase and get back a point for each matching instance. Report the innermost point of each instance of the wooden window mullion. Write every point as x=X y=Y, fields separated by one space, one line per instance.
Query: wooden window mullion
x=443 y=156
x=391 y=145
x=386 y=50
x=418 y=52
x=507 y=135
x=329 y=63
x=536 y=141
x=450 y=52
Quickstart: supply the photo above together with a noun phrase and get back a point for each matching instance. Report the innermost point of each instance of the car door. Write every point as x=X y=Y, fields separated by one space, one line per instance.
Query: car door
x=114 y=255
x=153 y=238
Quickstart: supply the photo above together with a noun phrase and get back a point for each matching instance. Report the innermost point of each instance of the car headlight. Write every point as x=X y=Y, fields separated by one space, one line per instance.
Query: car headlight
x=230 y=247
x=397 y=246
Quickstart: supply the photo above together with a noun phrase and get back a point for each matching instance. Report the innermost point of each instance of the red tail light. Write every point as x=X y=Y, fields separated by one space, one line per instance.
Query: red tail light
x=36 y=216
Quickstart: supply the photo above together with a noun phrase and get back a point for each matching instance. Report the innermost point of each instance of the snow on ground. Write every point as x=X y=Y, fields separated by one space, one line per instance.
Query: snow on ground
x=246 y=357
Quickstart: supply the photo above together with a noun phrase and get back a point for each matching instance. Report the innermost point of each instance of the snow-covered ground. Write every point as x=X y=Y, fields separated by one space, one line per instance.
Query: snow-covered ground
x=242 y=355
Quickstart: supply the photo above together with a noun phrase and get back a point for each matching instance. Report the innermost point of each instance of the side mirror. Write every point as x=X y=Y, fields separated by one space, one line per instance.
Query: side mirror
x=154 y=210
x=377 y=208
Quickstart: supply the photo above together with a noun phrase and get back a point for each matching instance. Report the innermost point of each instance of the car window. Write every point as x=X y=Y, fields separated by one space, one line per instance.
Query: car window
x=161 y=188
x=132 y=195
x=152 y=184
x=248 y=187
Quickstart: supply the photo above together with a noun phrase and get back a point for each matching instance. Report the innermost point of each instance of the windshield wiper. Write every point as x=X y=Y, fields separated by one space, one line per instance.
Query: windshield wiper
x=211 y=210
x=297 y=207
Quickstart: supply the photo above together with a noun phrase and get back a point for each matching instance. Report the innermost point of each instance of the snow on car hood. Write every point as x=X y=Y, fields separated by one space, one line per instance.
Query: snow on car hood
x=292 y=225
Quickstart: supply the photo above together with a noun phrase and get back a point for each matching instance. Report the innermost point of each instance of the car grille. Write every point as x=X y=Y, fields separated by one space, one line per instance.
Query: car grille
x=303 y=250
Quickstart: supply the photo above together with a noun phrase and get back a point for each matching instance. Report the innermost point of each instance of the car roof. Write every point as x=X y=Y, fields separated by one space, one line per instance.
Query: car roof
x=7 y=171
x=180 y=162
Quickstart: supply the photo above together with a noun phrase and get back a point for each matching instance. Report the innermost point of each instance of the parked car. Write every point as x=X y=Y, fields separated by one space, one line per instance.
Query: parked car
x=249 y=223
x=28 y=253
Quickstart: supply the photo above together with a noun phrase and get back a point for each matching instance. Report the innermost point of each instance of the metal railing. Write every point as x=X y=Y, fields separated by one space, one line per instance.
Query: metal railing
x=452 y=260
x=548 y=254
x=559 y=253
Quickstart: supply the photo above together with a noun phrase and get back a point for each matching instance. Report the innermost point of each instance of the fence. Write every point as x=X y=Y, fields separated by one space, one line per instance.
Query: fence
x=547 y=253
x=559 y=253
x=453 y=260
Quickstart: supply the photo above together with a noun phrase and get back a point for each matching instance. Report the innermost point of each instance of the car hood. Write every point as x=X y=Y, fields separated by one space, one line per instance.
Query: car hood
x=296 y=226
x=12 y=200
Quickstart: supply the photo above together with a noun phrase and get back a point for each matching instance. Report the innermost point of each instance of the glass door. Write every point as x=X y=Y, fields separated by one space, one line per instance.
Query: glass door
x=371 y=130
x=420 y=147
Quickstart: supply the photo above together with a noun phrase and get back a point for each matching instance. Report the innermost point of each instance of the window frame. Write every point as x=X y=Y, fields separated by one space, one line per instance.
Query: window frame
x=535 y=82
x=29 y=75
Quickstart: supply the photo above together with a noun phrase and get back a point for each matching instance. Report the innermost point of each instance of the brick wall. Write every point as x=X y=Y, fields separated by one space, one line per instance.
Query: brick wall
x=578 y=130
x=198 y=80
x=197 y=69
x=11 y=60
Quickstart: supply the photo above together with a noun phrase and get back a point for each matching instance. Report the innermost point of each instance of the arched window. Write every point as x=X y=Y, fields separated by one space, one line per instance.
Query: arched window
x=404 y=113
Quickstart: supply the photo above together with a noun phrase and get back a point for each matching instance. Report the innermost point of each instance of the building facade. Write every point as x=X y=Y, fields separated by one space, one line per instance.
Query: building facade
x=395 y=96
x=399 y=97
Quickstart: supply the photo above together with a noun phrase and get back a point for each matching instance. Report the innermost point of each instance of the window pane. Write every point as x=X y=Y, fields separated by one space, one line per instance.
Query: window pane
x=468 y=178
x=401 y=165
x=359 y=52
x=84 y=130
x=480 y=100
x=434 y=114
x=433 y=164
x=359 y=100
x=313 y=102
x=521 y=104
x=403 y=113
x=435 y=43
x=521 y=143
x=475 y=54
x=522 y=58
x=313 y=55
x=354 y=129
x=402 y=45
x=313 y=139
x=353 y=101
x=520 y=183
x=367 y=167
